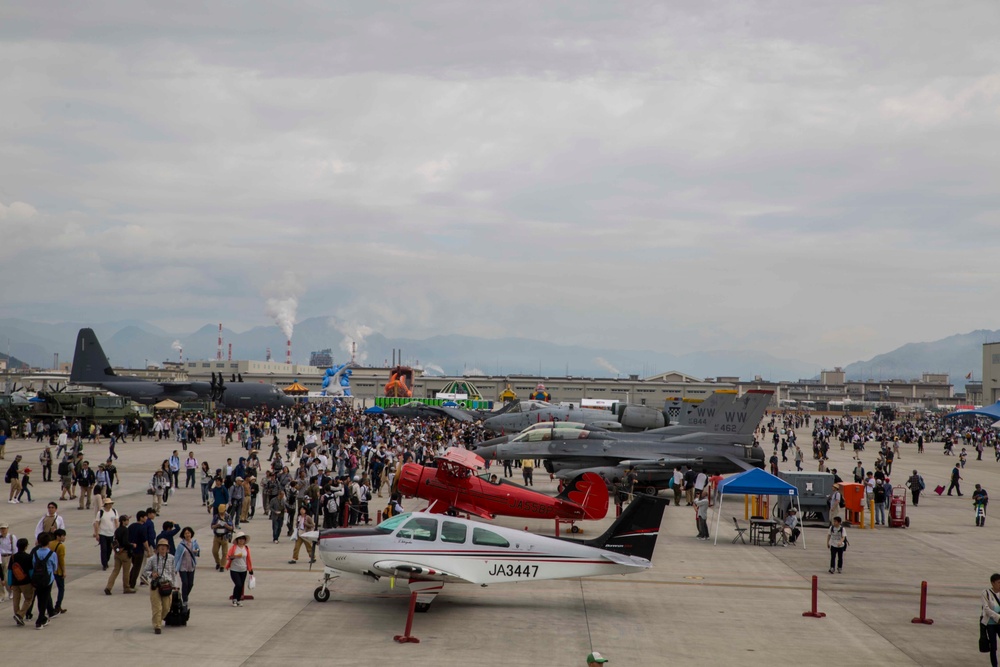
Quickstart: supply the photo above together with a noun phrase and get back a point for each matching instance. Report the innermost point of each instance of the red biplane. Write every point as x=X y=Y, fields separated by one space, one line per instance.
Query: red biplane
x=454 y=486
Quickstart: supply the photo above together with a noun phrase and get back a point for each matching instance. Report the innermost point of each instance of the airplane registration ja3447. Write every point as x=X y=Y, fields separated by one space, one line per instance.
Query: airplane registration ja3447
x=428 y=551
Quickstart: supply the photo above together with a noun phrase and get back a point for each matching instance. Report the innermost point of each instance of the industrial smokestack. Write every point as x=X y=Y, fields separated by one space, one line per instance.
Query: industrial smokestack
x=288 y=353
x=268 y=356
x=55 y=361
x=218 y=353
x=180 y=355
x=354 y=349
x=230 y=352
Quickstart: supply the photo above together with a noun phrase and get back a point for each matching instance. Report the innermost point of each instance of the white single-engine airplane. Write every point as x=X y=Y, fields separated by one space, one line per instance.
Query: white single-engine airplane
x=430 y=550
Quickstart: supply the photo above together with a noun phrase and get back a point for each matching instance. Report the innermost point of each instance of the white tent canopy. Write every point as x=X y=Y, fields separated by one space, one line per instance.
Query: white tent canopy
x=759 y=483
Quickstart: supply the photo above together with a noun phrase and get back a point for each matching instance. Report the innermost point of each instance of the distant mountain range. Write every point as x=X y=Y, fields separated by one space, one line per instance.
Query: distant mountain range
x=956 y=355
x=133 y=343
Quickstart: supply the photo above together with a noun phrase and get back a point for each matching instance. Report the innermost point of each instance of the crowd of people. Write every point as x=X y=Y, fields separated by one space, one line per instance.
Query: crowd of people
x=324 y=466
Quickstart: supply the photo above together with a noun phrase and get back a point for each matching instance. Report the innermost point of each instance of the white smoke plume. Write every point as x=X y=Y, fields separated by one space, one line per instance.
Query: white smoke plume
x=434 y=368
x=354 y=338
x=606 y=365
x=283 y=303
x=472 y=371
x=176 y=346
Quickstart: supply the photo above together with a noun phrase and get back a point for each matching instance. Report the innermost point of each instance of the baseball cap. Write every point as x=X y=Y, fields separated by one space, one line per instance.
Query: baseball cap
x=596 y=657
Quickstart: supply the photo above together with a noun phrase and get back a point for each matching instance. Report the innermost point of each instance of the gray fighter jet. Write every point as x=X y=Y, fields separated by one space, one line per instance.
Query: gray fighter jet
x=91 y=368
x=522 y=414
x=720 y=441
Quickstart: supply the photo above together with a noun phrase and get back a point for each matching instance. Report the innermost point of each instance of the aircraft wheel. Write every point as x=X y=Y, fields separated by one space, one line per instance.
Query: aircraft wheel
x=321 y=594
x=574 y=529
x=651 y=491
x=422 y=607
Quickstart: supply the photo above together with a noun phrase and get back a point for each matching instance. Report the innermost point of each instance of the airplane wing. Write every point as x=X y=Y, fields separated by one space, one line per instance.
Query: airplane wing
x=437 y=507
x=470 y=508
x=742 y=463
x=462 y=457
x=408 y=569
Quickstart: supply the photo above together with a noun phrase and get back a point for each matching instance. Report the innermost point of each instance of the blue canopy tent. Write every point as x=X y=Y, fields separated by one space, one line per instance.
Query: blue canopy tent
x=756 y=482
x=374 y=410
x=991 y=411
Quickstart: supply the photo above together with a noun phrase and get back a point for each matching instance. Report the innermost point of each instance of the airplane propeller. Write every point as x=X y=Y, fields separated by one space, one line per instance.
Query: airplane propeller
x=217 y=386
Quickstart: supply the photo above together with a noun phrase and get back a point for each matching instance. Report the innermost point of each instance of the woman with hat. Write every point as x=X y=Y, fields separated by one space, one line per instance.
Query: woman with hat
x=160 y=572
x=239 y=565
x=222 y=528
x=186 y=560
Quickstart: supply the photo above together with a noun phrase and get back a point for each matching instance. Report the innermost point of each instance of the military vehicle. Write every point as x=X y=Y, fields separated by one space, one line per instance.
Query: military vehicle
x=91 y=407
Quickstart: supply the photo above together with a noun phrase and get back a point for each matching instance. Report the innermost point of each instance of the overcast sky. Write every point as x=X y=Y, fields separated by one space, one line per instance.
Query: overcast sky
x=817 y=180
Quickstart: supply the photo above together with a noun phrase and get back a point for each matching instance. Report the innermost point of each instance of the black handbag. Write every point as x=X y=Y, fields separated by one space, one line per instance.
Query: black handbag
x=984 y=639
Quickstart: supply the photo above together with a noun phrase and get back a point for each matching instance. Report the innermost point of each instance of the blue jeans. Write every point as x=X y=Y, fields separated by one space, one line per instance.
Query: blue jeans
x=879 y=513
x=276 y=521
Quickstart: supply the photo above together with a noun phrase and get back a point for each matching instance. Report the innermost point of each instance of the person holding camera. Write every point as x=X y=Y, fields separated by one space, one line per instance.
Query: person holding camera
x=160 y=572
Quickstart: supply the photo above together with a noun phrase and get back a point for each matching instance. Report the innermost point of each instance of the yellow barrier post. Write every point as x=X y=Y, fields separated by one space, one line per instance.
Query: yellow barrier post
x=871 y=504
x=746 y=507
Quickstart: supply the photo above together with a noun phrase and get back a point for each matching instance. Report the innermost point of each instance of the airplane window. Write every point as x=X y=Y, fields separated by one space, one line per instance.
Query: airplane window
x=392 y=523
x=488 y=538
x=419 y=528
x=453 y=532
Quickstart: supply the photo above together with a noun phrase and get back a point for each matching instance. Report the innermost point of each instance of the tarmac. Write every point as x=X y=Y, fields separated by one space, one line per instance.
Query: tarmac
x=699 y=604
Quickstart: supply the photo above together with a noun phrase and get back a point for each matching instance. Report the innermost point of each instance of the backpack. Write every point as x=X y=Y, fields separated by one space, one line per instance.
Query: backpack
x=63 y=469
x=922 y=485
x=387 y=512
x=331 y=504
x=40 y=572
x=17 y=572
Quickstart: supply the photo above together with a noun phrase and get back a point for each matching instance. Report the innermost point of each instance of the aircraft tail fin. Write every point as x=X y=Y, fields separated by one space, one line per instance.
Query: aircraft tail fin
x=634 y=533
x=714 y=402
x=740 y=416
x=588 y=491
x=90 y=364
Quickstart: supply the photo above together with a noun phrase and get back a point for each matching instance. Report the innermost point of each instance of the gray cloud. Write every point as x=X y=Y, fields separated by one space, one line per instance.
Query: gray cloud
x=811 y=181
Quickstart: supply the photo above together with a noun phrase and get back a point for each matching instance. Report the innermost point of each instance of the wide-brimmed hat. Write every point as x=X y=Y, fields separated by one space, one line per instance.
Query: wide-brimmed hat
x=240 y=534
x=109 y=501
x=162 y=542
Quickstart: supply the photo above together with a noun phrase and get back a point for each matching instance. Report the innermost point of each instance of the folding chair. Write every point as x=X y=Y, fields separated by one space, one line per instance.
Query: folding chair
x=740 y=532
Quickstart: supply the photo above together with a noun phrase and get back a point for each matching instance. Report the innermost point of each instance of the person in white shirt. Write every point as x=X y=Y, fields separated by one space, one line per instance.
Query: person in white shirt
x=50 y=522
x=105 y=525
x=678 y=485
x=8 y=547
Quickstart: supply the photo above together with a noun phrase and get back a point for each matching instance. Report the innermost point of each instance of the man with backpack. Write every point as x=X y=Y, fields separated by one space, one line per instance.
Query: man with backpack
x=65 y=472
x=916 y=484
x=13 y=477
x=43 y=572
x=105 y=525
x=20 y=581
